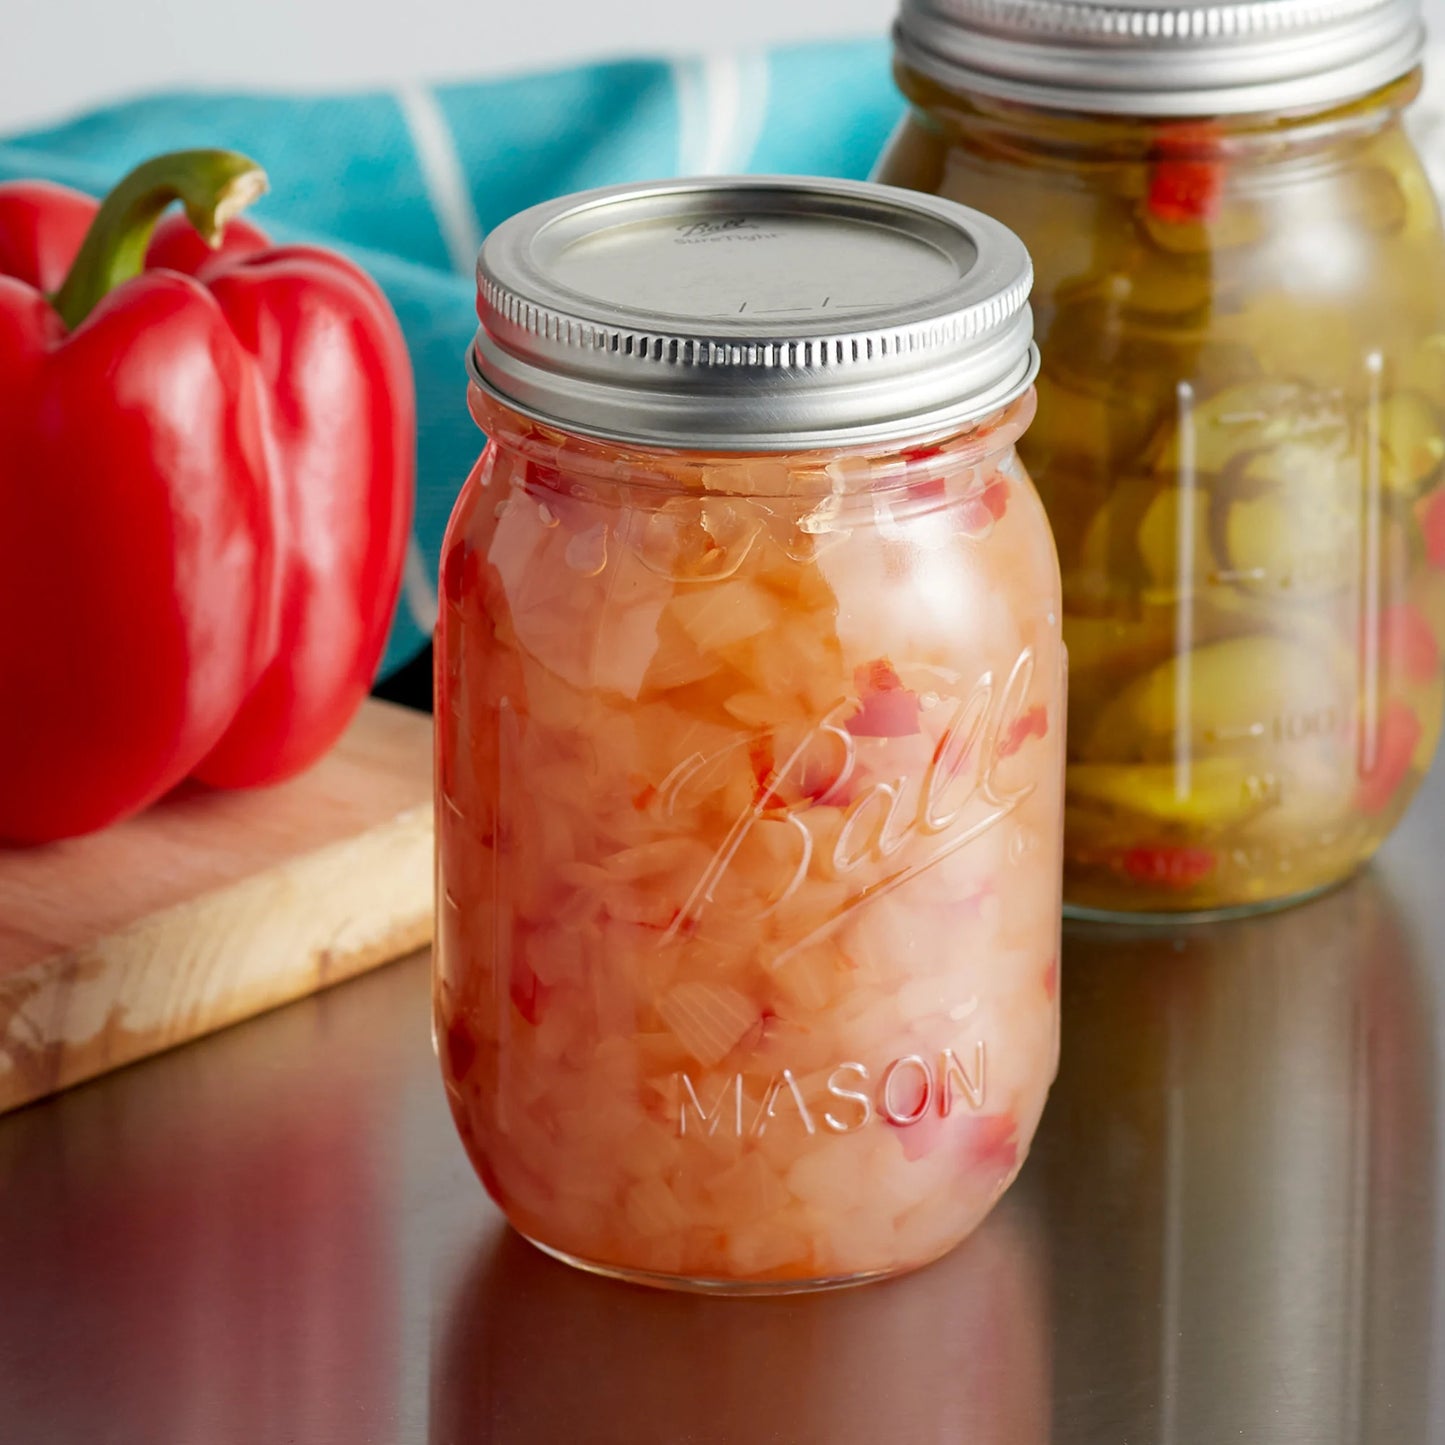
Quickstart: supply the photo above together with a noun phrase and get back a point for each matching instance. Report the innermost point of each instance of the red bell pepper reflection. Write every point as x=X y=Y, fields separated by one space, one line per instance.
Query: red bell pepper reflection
x=207 y=1252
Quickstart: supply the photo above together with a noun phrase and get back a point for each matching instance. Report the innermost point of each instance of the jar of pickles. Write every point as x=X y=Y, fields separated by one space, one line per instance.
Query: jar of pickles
x=1241 y=308
x=750 y=683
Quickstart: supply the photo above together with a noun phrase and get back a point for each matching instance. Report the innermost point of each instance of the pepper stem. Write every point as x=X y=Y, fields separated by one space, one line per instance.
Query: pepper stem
x=212 y=185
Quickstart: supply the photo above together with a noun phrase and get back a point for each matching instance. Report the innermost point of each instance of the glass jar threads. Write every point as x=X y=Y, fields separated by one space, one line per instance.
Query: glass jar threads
x=750 y=734
x=1241 y=308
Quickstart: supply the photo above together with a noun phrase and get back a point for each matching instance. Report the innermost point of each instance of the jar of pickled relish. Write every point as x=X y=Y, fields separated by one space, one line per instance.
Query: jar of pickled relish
x=1240 y=301
x=750 y=734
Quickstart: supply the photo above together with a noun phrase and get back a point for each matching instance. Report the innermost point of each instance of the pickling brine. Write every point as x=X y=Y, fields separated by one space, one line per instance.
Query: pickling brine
x=1239 y=444
x=749 y=826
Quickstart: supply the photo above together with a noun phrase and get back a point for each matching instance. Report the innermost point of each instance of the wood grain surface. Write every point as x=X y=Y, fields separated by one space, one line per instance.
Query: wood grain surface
x=212 y=906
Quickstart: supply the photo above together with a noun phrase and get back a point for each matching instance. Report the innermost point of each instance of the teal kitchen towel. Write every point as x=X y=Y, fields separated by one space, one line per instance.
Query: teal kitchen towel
x=407 y=182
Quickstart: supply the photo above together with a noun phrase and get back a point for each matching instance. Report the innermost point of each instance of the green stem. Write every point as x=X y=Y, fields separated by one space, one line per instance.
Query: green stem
x=212 y=185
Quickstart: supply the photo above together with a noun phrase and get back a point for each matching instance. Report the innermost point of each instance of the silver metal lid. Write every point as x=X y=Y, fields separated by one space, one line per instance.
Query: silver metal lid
x=1163 y=57
x=754 y=314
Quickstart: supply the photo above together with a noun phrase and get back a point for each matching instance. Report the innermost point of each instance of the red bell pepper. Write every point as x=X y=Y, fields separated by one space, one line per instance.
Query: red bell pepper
x=206 y=471
x=1186 y=182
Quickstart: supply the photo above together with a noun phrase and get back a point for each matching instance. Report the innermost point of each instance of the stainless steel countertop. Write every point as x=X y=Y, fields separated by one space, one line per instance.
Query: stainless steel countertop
x=1229 y=1229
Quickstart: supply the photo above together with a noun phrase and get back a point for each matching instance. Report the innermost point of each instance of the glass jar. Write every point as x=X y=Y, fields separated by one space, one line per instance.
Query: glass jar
x=1241 y=309
x=750 y=735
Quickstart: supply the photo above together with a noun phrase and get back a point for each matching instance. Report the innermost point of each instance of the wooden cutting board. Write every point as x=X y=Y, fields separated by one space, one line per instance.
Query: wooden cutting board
x=211 y=907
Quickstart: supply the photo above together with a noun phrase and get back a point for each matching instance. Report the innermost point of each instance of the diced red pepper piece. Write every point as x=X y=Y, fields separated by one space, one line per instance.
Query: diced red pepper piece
x=886 y=709
x=819 y=778
x=979 y=512
x=1432 y=524
x=877 y=676
x=992 y=1139
x=1184 y=192
x=1031 y=724
x=757 y=1035
x=1410 y=643
x=995 y=497
x=760 y=755
x=885 y=715
x=956 y=764
x=1187 y=186
x=921 y=454
x=908 y=1095
x=1168 y=865
x=924 y=489
x=982 y=1139
x=1395 y=743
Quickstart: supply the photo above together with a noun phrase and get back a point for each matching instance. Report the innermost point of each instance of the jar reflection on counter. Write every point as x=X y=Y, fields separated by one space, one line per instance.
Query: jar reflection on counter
x=750 y=806
x=1241 y=1171
x=1239 y=445
x=534 y=1354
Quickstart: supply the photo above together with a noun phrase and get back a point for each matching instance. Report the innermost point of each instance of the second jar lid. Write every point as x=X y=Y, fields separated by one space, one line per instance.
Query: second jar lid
x=1163 y=57
x=757 y=314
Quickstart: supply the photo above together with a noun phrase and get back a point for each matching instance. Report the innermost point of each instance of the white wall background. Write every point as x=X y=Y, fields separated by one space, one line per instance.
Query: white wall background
x=58 y=56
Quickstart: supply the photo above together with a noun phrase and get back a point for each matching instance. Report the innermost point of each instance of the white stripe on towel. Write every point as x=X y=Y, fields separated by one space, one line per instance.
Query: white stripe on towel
x=721 y=101
x=442 y=174
x=417 y=588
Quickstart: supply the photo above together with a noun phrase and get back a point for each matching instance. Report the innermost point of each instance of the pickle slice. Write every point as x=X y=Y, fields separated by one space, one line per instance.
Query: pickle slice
x=1085 y=429
x=1241 y=691
x=1108 y=559
x=1211 y=793
x=1110 y=649
x=1411 y=444
x=1230 y=425
x=1173 y=537
x=1297 y=534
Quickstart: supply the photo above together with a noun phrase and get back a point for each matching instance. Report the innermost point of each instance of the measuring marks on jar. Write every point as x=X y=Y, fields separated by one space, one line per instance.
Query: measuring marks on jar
x=1273 y=578
x=1309 y=726
x=1309 y=571
x=1296 y=725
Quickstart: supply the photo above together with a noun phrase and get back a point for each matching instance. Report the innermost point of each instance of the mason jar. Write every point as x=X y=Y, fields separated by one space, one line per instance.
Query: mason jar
x=750 y=689
x=1241 y=308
